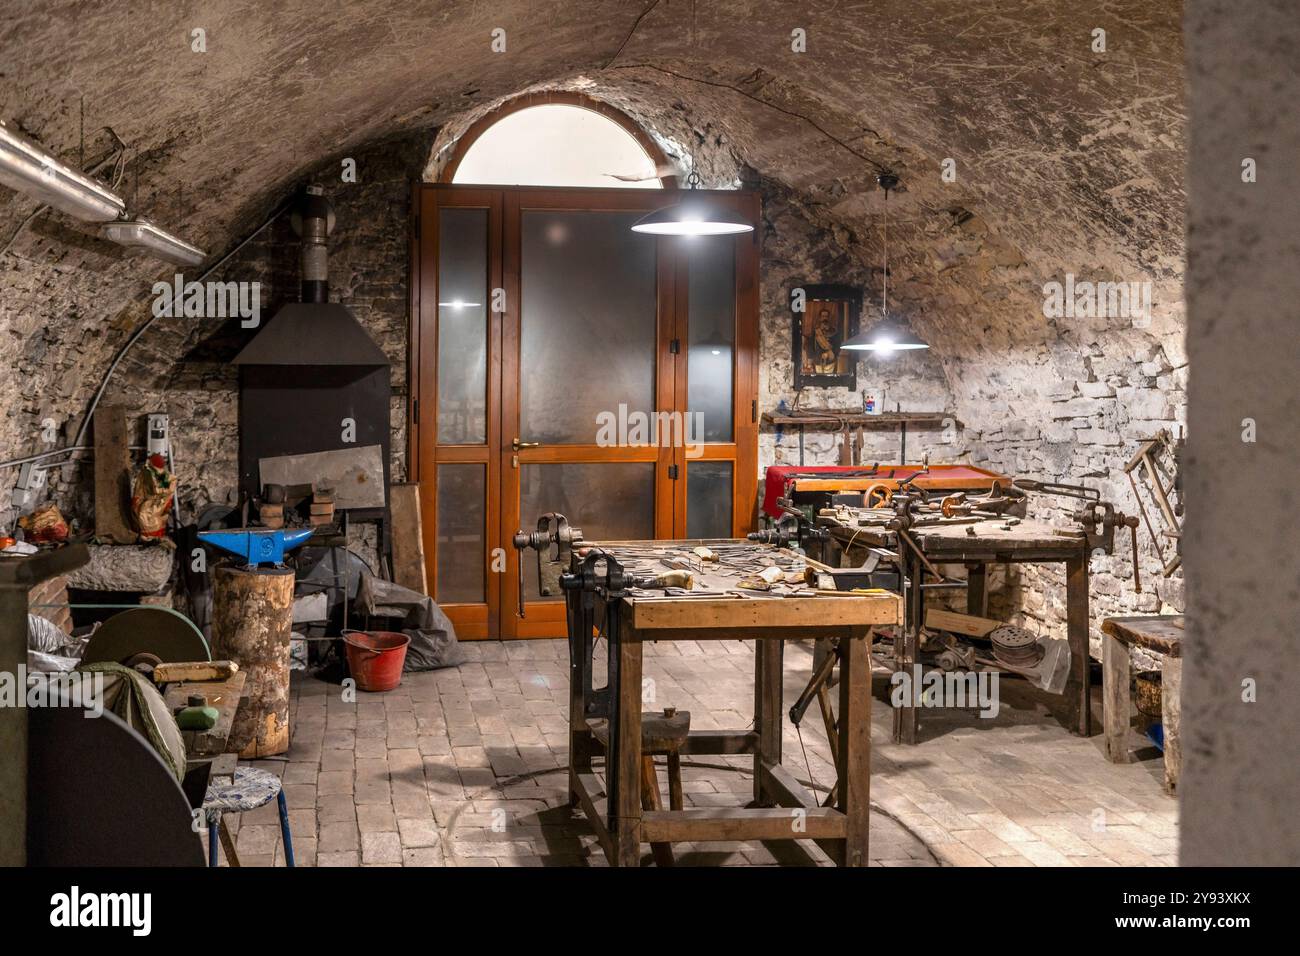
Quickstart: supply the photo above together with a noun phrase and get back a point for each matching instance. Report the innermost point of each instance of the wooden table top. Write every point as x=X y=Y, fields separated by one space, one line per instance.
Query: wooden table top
x=955 y=540
x=718 y=602
x=1162 y=633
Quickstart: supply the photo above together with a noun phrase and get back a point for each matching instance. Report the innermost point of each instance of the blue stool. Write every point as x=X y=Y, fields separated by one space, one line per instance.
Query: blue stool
x=250 y=789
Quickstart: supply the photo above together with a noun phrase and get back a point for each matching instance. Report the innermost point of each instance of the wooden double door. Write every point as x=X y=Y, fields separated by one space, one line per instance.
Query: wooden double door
x=561 y=362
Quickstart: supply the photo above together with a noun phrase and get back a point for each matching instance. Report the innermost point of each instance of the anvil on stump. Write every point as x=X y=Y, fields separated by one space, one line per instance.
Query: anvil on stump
x=252 y=622
x=256 y=547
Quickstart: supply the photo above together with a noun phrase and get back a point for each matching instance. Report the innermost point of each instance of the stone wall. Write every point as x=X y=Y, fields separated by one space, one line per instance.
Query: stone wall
x=182 y=366
x=799 y=251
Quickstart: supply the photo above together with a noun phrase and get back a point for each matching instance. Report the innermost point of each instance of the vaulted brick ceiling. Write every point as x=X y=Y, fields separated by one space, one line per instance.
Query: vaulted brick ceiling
x=1067 y=160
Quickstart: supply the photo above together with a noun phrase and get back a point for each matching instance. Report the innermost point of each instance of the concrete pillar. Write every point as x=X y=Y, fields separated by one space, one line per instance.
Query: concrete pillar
x=1241 y=769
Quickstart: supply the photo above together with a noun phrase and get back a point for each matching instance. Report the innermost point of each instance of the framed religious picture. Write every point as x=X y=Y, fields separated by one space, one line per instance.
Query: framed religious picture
x=823 y=318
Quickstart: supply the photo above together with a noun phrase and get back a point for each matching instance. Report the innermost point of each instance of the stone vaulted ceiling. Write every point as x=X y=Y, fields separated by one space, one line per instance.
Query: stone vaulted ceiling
x=1067 y=160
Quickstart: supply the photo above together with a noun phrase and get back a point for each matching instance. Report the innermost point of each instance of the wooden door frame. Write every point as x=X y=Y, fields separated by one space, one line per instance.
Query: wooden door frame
x=471 y=620
x=501 y=510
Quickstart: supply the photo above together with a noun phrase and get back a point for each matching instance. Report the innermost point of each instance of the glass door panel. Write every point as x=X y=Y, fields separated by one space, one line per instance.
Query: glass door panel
x=708 y=499
x=463 y=297
x=587 y=325
x=462 y=534
x=711 y=323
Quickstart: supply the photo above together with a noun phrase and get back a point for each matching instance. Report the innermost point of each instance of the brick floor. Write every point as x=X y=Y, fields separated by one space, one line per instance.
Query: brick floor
x=464 y=767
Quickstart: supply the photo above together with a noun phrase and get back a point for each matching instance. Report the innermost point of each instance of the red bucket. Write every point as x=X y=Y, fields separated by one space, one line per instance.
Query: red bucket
x=376 y=658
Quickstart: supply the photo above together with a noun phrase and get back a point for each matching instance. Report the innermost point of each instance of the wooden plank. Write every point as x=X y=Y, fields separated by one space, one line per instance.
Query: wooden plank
x=587 y=788
x=781 y=785
x=716 y=742
x=408 y=537
x=967 y=624
x=1162 y=633
x=1077 y=631
x=169 y=673
x=623 y=765
x=768 y=714
x=727 y=823
x=1116 y=674
x=112 y=476
x=854 y=790
x=766 y=613
x=1171 y=707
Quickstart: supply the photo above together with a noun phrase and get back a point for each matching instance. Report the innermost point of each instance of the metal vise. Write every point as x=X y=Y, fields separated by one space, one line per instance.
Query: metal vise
x=1098 y=519
x=554 y=533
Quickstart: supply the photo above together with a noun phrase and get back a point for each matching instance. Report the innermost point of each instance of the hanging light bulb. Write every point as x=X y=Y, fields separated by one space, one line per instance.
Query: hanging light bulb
x=886 y=336
x=694 y=215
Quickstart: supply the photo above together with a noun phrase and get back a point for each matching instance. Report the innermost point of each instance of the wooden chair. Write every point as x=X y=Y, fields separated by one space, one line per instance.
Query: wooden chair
x=662 y=734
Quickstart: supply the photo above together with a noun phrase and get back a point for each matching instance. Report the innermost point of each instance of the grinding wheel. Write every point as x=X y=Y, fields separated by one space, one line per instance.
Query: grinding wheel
x=160 y=631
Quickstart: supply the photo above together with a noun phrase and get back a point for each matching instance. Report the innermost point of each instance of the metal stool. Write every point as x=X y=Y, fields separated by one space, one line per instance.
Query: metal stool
x=250 y=789
x=661 y=735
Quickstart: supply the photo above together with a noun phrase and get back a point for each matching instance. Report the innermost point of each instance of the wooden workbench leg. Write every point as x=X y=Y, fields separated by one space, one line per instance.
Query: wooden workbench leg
x=1116 y=677
x=907 y=650
x=854 y=797
x=623 y=763
x=768 y=661
x=977 y=597
x=1171 y=706
x=1078 y=689
x=580 y=739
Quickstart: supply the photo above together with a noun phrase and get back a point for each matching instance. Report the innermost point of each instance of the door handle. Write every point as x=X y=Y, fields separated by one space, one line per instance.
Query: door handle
x=517 y=444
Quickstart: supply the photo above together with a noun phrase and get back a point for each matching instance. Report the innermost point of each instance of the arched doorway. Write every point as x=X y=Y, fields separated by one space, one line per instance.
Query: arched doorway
x=562 y=362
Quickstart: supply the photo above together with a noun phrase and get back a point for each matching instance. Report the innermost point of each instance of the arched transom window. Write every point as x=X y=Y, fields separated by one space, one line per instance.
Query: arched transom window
x=573 y=142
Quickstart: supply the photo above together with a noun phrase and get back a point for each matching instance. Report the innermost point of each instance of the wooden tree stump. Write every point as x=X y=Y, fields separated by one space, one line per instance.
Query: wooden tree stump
x=252 y=619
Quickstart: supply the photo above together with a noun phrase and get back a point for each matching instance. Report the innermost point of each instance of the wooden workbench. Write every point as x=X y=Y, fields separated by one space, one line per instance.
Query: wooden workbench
x=986 y=542
x=783 y=808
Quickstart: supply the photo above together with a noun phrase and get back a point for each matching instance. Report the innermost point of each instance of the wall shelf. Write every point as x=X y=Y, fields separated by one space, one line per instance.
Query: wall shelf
x=833 y=418
x=837 y=419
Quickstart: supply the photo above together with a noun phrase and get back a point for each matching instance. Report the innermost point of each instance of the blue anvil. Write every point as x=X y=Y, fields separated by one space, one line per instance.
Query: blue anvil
x=257 y=547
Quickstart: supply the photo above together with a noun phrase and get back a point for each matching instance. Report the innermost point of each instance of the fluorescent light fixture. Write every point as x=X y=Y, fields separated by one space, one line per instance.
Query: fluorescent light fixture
x=142 y=234
x=29 y=168
x=458 y=304
x=884 y=337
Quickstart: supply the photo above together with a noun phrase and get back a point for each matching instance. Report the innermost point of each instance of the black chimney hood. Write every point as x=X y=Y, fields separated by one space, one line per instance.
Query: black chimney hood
x=312 y=380
x=314 y=331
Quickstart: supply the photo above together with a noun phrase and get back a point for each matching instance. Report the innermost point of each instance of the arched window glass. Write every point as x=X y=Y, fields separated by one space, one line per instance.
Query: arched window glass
x=557 y=144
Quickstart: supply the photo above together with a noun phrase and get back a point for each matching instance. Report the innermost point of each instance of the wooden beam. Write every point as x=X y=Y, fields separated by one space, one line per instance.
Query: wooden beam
x=784 y=788
x=715 y=742
x=733 y=823
x=112 y=476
